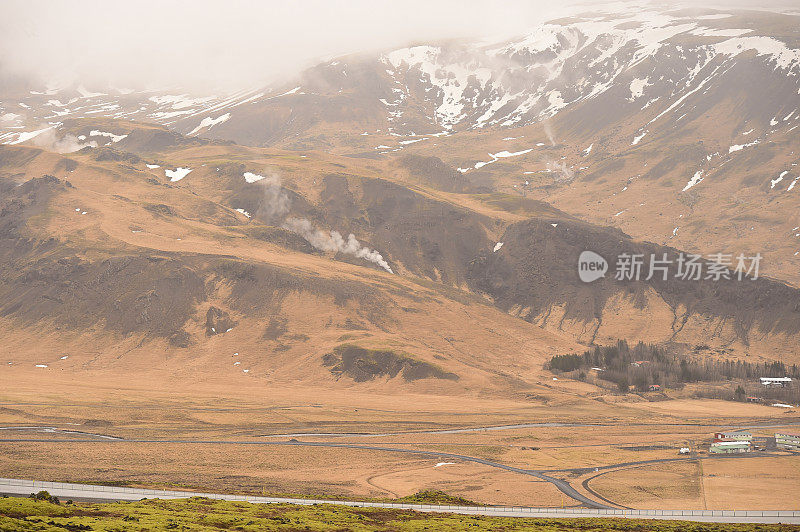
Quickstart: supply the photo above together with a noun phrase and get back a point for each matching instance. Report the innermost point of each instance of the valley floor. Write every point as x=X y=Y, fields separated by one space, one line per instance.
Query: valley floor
x=358 y=443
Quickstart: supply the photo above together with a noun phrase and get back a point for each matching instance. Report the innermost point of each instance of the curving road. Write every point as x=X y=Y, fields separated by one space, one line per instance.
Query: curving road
x=113 y=493
x=561 y=485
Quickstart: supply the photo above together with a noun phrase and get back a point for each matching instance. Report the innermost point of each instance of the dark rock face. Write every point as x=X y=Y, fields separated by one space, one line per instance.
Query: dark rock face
x=154 y=294
x=362 y=365
x=434 y=171
x=111 y=154
x=431 y=238
x=18 y=203
x=284 y=238
x=128 y=294
x=218 y=321
x=181 y=339
x=157 y=139
x=537 y=267
x=275 y=329
x=67 y=165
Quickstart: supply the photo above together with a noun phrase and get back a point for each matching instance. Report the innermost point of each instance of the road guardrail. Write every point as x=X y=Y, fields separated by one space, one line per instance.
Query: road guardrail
x=65 y=489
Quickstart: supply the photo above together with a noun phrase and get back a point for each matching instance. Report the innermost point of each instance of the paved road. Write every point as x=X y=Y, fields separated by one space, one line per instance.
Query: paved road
x=114 y=493
x=463 y=430
x=57 y=430
x=489 y=428
x=545 y=475
x=620 y=465
x=561 y=485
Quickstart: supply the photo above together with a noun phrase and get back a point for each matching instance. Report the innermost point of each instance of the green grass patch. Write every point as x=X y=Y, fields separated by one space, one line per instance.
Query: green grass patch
x=436 y=497
x=198 y=514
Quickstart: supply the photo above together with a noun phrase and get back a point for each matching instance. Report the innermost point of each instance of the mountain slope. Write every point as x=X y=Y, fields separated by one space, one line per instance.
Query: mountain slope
x=114 y=248
x=396 y=193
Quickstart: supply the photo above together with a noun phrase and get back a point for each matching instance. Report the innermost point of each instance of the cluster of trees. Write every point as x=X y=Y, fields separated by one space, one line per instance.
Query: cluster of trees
x=46 y=497
x=754 y=391
x=645 y=364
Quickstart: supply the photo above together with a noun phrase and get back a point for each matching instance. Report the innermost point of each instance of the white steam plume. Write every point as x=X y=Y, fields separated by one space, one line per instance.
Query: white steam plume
x=333 y=241
x=49 y=140
x=549 y=132
x=566 y=173
x=276 y=203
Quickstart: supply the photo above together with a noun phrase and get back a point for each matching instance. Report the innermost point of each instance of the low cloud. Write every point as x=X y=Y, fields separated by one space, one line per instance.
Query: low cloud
x=204 y=45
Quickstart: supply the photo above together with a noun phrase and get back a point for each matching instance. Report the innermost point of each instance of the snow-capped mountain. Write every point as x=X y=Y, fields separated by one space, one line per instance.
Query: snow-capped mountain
x=50 y=107
x=483 y=166
x=651 y=61
x=654 y=63
x=656 y=120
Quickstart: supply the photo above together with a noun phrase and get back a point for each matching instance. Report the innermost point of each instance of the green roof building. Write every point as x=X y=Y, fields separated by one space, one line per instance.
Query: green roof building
x=784 y=440
x=725 y=447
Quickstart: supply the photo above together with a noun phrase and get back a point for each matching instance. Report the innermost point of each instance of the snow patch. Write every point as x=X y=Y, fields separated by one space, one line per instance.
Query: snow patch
x=87 y=94
x=696 y=178
x=28 y=135
x=495 y=157
x=177 y=174
x=637 y=88
x=112 y=136
x=740 y=147
x=775 y=51
x=778 y=179
x=250 y=177
x=287 y=93
x=179 y=101
x=210 y=122
x=709 y=32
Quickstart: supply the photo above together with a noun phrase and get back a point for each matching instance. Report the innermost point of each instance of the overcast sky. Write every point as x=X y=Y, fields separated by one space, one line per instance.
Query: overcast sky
x=232 y=43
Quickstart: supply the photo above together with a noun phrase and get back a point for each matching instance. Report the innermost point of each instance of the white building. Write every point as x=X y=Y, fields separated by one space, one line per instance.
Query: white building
x=776 y=381
x=785 y=440
x=727 y=447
